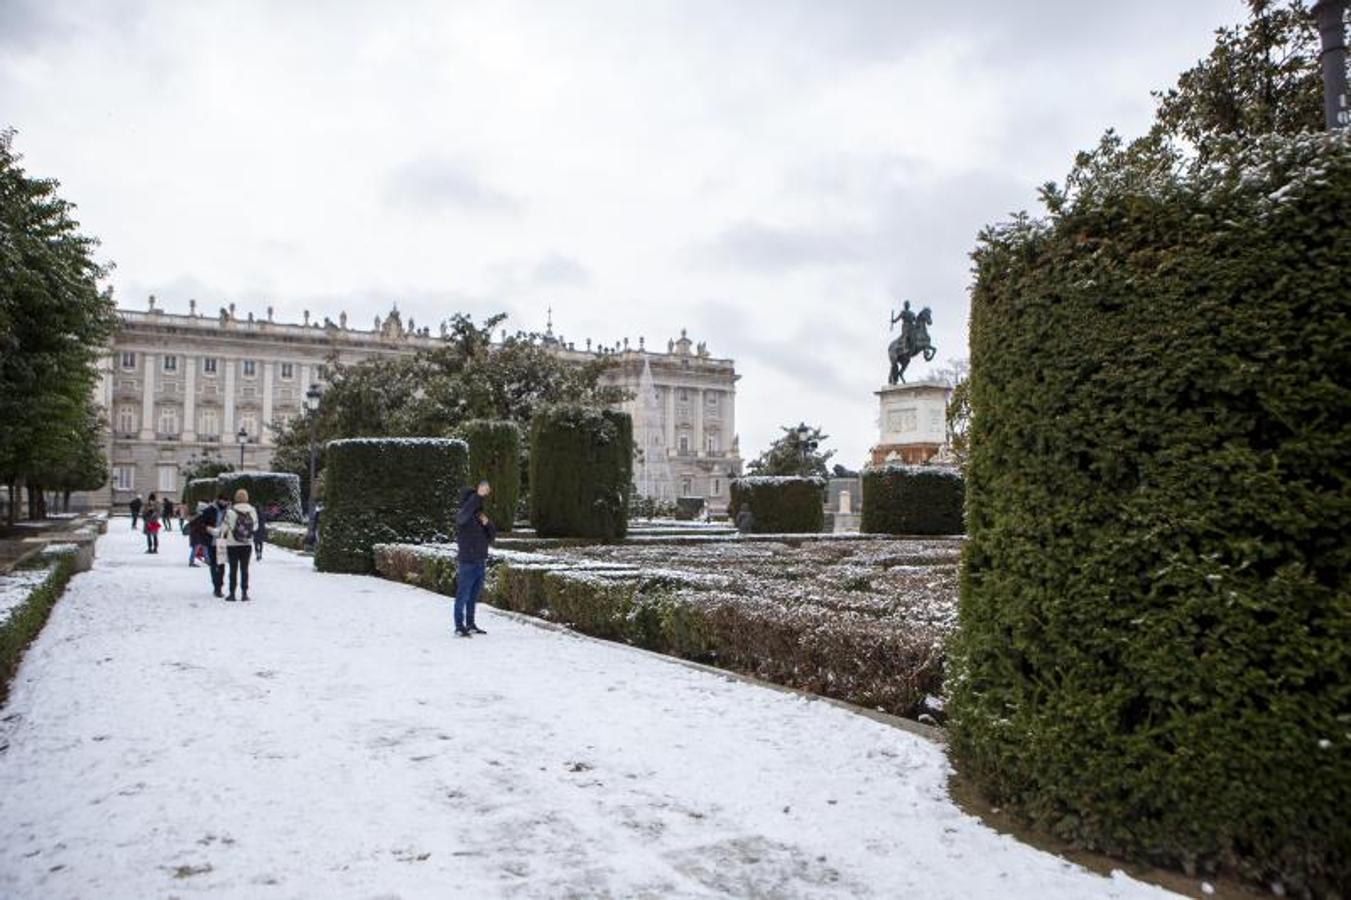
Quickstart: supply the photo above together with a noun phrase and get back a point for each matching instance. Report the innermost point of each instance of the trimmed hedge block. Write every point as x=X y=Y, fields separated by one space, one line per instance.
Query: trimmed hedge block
x=199 y=490
x=780 y=504
x=581 y=466
x=495 y=454
x=899 y=499
x=384 y=491
x=265 y=489
x=1155 y=632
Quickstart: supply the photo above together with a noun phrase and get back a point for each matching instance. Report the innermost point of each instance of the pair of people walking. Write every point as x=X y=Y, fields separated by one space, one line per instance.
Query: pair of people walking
x=474 y=532
x=227 y=531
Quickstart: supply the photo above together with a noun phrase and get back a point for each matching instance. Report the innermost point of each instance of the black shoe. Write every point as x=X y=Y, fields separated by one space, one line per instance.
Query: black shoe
x=219 y=593
x=474 y=629
x=463 y=632
x=245 y=597
x=229 y=598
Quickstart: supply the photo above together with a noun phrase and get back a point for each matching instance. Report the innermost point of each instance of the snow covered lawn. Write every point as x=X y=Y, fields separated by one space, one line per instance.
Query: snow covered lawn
x=332 y=739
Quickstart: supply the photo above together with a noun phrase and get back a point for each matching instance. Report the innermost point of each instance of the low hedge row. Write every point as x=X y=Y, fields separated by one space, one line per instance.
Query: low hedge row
x=779 y=504
x=387 y=490
x=581 y=469
x=25 y=620
x=291 y=537
x=847 y=655
x=495 y=455
x=900 y=499
x=266 y=489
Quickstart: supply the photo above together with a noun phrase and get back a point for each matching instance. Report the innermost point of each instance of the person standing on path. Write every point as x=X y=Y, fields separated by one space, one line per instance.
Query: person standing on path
x=260 y=533
x=150 y=521
x=474 y=531
x=211 y=519
x=240 y=522
x=167 y=513
x=135 y=507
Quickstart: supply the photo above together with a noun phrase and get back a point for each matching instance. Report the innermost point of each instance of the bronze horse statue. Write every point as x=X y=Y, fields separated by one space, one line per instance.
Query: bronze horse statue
x=913 y=341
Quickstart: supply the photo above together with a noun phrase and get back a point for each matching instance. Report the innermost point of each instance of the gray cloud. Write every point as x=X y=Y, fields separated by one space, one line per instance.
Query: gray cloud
x=557 y=270
x=432 y=185
x=769 y=248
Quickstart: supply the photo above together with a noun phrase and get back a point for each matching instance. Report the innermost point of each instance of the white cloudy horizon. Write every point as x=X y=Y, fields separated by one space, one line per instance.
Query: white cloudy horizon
x=774 y=177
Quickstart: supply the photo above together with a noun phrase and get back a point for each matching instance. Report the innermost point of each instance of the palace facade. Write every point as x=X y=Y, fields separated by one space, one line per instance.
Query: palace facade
x=176 y=386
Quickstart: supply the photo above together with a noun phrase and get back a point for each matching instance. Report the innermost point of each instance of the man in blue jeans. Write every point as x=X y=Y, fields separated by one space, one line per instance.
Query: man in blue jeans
x=473 y=533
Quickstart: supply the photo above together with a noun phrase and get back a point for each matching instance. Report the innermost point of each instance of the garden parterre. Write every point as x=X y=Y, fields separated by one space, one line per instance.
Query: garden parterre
x=860 y=620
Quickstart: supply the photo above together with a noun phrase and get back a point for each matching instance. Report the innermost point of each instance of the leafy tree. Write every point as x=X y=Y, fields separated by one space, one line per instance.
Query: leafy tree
x=797 y=452
x=55 y=321
x=207 y=464
x=434 y=392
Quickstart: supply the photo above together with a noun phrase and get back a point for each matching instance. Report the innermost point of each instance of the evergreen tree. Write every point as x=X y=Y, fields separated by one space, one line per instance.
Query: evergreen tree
x=55 y=322
x=795 y=453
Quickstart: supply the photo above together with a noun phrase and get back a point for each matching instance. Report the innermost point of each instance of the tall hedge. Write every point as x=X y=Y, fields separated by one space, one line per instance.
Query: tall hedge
x=780 y=504
x=265 y=489
x=1155 y=632
x=199 y=490
x=495 y=454
x=387 y=490
x=900 y=499
x=581 y=464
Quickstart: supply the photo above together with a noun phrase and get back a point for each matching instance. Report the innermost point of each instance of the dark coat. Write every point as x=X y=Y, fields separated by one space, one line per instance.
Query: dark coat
x=472 y=537
x=135 y=505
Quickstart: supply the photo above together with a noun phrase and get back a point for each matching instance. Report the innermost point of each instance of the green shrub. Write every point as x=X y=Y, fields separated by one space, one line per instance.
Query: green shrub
x=495 y=454
x=265 y=489
x=386 y=491
x=20 y=625
x=199 y=490
x=291 y=537
x=901 y=499
x=581 y=466
x=785 y=504
x=1155 y=622
x=432 y=568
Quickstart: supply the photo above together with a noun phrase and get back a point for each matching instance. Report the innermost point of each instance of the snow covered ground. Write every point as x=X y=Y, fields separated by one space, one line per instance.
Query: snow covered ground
x=332 y=739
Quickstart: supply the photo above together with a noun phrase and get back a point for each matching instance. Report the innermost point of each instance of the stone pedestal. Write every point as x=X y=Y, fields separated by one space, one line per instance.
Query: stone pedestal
x=912 y=422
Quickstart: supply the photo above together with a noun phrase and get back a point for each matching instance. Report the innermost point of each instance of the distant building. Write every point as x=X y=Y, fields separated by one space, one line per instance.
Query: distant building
x=176 y=386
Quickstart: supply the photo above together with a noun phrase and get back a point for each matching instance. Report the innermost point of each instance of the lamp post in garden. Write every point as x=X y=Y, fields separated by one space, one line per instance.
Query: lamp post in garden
x=1330 y=17
x=243 y=438
x=312 y=397
x=805 y=444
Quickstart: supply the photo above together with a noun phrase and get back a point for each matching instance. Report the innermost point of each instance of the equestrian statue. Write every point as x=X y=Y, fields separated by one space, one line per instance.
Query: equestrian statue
x=913 y=341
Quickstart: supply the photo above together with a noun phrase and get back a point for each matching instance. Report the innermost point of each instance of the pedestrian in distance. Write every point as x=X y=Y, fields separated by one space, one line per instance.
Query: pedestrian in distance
x=151 y=524
x=199 y=535
x=135 y=507
x=260 y=533
x=238 y=526
x=167 y=513
x=211 y=520
x=474 y=531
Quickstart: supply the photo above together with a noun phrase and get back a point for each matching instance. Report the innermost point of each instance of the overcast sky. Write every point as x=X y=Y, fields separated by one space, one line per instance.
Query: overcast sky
x=773 y=176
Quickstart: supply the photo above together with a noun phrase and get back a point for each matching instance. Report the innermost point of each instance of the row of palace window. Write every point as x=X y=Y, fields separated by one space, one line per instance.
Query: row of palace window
x=710 y=397
x=210 y=365
x=208 y=422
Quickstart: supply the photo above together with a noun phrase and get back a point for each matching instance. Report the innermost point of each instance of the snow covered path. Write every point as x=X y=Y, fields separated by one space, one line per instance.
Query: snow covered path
x=332 y=739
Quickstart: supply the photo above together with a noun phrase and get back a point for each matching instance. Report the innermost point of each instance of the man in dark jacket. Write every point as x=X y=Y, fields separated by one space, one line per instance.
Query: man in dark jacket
x=473 y=533
x=204 y=526
x=135 y=507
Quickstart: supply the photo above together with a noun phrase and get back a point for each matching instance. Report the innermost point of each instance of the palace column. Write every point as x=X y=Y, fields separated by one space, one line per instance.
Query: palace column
x=227 y=433
x=148 y=397
x=190 y=398
x=700 y=444
x=670 y=419
x=264 y=433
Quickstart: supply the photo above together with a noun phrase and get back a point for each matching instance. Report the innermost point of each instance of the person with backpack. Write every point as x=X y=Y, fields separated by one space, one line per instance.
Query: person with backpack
x=237 y=528
x=474 y=531
x=151 y=524
x=135 y=507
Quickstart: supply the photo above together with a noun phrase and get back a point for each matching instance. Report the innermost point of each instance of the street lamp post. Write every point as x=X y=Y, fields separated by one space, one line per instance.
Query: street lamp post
x=312 y=397
x=243 y=438
x=1330 y=16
